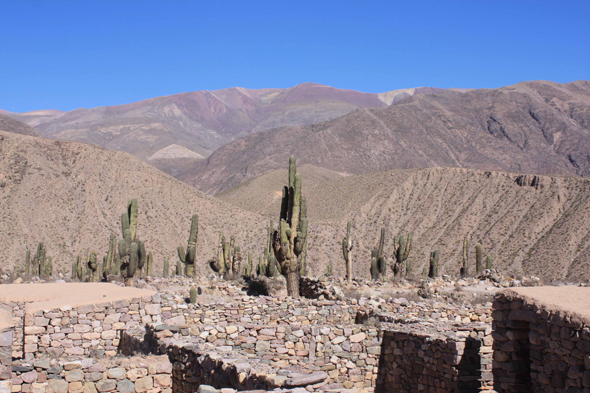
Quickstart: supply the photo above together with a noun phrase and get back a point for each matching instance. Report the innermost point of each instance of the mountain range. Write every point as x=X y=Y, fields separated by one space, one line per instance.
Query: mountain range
x=202 y=121
x=531 y=127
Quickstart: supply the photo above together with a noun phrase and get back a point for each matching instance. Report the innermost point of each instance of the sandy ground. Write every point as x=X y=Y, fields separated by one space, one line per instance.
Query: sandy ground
x=575 y=300
x=54 y=295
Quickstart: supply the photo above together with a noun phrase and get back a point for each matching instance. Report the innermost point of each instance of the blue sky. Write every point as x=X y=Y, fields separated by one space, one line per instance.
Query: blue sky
x=70 y=54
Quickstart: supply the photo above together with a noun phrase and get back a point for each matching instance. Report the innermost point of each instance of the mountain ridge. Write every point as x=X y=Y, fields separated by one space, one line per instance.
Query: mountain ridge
x=531 y=127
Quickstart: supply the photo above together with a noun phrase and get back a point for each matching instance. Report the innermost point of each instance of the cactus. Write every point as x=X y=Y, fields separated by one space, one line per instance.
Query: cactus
x=178 y=268
x=465 y=269
x=381 y=264
x=261 y=268
x=401 y=250
x=131 y=249
x=75 y=268
x=28 y=262
x=39 y=262
x=489 y=262
x=113 y=258
x=191 y=251
x=347 y=246
x=478 y=259
x=329 y=269
x=193 y=295
x=289 y=240
x=374 y=270
x=48 y=268
x=433 y=271
x=92 y=268
x=149 y=270
x=166 y=271
x=236 y=261
x=248 y=267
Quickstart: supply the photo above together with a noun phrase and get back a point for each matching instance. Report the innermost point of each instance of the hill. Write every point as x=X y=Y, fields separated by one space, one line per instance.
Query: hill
x=16 y=127
x=263 y=194
x=528 y=224
x=71 y=196
x=531 y=127
x=202 y=121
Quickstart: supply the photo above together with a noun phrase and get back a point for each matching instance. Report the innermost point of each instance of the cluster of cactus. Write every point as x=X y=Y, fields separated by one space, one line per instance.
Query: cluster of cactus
x=229 y=258
x=347 y=246
x=378 y=263
x=41 y=265
x=87 y=269
x=401 y=250
x=433 y=266
x=189 y=257
x=479 y=260
x=131 y=250
x=267 y=263
x=289 y=240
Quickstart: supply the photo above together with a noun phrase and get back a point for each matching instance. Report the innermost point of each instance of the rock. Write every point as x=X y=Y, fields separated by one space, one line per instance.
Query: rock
x=306 y=379
x=57 y=386
x=76 y=375
x=207 y=389
x=125 y=386
x=162 y=380
x=106 y=385
x=29 y=377
x=144 y=384
x=116 y=373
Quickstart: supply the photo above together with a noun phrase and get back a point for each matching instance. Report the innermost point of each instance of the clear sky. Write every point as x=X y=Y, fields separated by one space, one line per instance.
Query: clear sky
x=70 y=54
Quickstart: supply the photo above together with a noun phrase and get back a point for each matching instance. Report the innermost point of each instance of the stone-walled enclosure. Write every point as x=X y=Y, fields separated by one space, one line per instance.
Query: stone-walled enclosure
x=157 y=342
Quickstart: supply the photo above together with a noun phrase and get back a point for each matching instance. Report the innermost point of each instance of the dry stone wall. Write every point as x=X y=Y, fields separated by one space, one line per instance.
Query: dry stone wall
x=537 y=349
x=459 y=361
x=87 y=330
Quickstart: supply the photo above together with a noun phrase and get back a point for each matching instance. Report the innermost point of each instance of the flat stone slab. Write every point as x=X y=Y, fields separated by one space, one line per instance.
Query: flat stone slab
x=305 y=379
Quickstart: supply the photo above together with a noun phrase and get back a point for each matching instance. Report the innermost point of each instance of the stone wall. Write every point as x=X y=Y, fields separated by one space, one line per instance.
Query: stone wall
x=538 y=349
x=87 y=330
x=457 y=362
x=89 y=376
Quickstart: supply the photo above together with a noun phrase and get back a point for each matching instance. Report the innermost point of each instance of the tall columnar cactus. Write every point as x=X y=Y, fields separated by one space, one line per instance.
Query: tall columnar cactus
x=261 y=268
x=401 y=250
x=374 y=269
x=28 y=262
x=189 y=257
x=166 y=271
x=75 y=263
x=433 y=271
x=489 y=262
x=465 y=268
x=131 y=249
x=92 y=268
x=112 y=258
x=347 y=246
x=39 y=261
x=149 y=270
x=193 y=295
x=178 y=270
x=48 y=268
x=248 y=268
x=478 y=259
x=289 y=240
x=380 y=257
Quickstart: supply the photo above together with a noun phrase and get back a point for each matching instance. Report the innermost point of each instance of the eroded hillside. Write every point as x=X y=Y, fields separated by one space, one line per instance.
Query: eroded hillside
x=71 y=196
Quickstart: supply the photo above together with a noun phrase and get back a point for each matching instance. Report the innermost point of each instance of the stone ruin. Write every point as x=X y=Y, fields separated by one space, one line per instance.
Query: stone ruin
x=159 y=342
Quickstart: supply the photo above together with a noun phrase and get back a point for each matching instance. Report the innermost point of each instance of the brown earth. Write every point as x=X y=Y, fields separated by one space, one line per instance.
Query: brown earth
x=202 y=121
x=71 y=196
x=531 y=127
x=528 y=224
x=48 y=296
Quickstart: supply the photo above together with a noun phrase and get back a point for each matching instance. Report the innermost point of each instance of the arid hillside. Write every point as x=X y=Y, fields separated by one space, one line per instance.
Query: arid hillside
x=531 y=127
x=263 y=194
x=71 y=196
x=202 y=121
x=16 y=127
x=528 y=224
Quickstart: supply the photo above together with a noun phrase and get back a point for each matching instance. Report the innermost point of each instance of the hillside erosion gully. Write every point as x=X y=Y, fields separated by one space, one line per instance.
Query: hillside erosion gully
x=148 y=341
